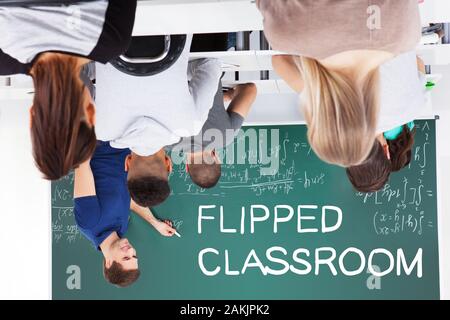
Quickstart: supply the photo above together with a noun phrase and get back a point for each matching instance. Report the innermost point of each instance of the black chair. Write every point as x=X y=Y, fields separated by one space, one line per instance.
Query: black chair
x=150 y=55
x=208 y=42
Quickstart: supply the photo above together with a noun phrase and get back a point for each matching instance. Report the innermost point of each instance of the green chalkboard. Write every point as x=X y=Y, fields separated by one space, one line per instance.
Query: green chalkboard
x=402 y=216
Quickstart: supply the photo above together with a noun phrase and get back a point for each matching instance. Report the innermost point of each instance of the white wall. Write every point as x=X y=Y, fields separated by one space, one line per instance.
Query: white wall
x=441 y=104
x=24 y=210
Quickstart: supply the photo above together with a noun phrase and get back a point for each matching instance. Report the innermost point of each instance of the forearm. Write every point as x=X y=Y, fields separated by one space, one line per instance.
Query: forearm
x=84 y=184
x=421 y=65
x=243 y=98
x=163 y=227
x=144 y=213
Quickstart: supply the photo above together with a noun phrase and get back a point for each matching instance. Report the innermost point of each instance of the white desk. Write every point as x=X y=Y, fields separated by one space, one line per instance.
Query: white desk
x=159 y=17
x=249 y=60
x=435 y=11
x=259 y=60
x=435 y=54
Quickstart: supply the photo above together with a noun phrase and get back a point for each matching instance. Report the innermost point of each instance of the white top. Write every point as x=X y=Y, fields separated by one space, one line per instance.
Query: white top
x=403 y=92
x=146 y=114
x=26 y=32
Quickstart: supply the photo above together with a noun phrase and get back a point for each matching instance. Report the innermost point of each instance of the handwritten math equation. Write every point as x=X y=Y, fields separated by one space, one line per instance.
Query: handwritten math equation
x=64 y=228
x=284 y=181
x=401 y=205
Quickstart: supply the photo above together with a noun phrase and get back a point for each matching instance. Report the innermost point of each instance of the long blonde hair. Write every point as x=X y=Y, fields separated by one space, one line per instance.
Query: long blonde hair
x=341 y=115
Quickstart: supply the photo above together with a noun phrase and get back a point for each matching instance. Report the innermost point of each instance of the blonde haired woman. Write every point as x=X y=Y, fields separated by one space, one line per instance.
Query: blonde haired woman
x=336 y=50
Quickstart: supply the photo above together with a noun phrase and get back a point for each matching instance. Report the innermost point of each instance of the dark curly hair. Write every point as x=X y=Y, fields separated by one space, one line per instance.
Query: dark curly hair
x=148 y=191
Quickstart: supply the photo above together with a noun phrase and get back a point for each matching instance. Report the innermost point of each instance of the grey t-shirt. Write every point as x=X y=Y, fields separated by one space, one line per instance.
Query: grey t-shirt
x=219 y=130
x=98 y=30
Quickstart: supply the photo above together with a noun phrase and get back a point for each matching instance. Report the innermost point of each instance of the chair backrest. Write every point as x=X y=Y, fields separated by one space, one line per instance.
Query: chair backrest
x=30 y=3
x=150 y=55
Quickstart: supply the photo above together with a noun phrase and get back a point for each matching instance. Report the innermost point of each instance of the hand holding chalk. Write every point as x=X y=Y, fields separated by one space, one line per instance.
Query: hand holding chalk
x=165 y=228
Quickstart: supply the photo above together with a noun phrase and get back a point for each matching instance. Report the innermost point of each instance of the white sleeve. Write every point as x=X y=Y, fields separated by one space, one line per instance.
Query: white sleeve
x=145 y=137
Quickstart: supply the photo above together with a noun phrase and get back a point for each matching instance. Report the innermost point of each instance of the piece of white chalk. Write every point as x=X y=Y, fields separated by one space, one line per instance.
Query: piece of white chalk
x=177 y=234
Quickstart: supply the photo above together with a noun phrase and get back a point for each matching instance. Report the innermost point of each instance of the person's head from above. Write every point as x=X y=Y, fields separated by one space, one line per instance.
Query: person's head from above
x=400 y=147
x=391 y=152
x=120 y=263
x=204 y=167
x=62 y=116
x=148 y=178
x=341 y=110
x=373 y=174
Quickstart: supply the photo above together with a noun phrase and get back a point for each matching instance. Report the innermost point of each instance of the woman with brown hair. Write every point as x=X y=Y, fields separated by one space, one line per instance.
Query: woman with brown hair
x=336 y=49
x=390 y=153
x=372 y=174
x=400 y=147
x=403 y=99
x=52 y=44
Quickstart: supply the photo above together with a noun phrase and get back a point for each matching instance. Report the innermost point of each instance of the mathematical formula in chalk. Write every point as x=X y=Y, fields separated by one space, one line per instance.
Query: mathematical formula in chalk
x=400 y=207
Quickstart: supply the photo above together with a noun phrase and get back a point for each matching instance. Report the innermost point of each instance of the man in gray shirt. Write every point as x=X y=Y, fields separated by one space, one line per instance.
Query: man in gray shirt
x=219 y=130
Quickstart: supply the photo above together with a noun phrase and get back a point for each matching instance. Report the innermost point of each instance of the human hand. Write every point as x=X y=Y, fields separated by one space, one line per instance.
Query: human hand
x=228 y=95
x=164 y=227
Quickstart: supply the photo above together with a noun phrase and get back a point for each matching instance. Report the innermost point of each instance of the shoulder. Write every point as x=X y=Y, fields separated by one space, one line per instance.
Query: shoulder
x=110 y=149
x=405 y=16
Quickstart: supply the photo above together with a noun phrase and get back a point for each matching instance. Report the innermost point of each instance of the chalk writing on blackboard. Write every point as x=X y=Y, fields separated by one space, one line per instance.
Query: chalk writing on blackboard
x=401 y=207
x=61 y=194
x=64 y=228
x=177 y=223
x=398 y=222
